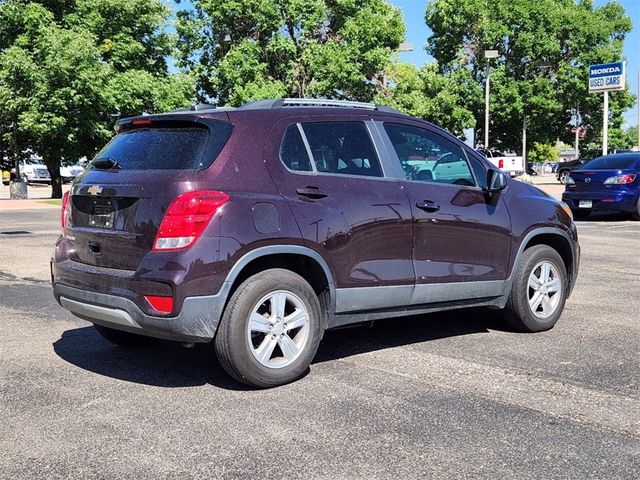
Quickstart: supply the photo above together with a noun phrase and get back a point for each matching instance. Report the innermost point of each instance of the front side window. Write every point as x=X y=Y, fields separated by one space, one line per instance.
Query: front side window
x=342 y=148
x=428 y=157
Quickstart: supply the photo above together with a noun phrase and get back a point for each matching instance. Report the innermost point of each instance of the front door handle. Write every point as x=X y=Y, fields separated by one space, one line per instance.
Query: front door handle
x=428 y=206
x=311 y=192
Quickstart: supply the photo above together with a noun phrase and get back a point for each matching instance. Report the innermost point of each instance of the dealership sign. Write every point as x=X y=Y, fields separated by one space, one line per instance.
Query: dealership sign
x=606 y=77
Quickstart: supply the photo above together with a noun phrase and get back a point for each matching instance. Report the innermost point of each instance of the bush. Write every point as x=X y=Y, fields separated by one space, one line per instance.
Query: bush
x=543 y=152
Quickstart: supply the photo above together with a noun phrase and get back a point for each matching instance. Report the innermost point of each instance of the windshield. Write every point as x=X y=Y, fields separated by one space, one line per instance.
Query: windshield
x=612 y=162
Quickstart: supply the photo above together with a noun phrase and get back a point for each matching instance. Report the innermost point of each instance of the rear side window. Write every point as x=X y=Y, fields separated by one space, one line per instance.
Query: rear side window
x=342 y=148
x=427 y=157
x=293 y=153
x=156 y=148
x=621 y=162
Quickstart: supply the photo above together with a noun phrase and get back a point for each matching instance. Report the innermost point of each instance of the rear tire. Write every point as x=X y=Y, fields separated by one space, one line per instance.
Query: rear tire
x=270 y=329
x=125 y=339
x=538 y=292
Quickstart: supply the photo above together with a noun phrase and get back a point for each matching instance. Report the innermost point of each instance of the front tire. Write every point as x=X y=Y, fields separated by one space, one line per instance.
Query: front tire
x=270 y=329
x=125 y=339
x=538 y=292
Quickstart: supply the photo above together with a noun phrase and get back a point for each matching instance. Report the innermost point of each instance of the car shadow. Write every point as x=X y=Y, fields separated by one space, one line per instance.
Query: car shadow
x=401 y=331
x=170 y=365
x=165 y=364
x=606 y=217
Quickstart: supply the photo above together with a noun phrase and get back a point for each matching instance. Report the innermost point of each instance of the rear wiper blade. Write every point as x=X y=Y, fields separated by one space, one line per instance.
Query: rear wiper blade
x=105 y=163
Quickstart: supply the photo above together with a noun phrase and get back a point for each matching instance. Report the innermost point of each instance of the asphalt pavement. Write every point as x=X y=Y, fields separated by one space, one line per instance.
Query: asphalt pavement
x=453 y=395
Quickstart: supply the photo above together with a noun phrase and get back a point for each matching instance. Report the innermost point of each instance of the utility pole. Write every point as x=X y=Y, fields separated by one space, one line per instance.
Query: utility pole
x=486 y=108
x=488 y=55
x=638 y=124
x=576 y=144
x=605 y=124
x=524 y=139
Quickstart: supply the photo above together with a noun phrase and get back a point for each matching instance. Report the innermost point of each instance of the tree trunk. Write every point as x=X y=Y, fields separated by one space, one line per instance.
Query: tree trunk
x=56 y=180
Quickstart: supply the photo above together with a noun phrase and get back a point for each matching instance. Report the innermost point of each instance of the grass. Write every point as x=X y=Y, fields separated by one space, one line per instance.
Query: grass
x=53 y=201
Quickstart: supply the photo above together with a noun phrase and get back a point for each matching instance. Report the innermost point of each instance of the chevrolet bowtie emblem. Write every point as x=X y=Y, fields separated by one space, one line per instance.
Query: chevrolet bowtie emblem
x=95 y=190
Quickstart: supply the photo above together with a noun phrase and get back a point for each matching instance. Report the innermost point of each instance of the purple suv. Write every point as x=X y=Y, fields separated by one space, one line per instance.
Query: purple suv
x=257 y=228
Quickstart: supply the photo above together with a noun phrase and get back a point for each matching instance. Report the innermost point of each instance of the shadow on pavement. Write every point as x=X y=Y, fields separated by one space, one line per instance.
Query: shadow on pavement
x=165 y=364
x=168 y=364
x=396 y=332
x=606 y=217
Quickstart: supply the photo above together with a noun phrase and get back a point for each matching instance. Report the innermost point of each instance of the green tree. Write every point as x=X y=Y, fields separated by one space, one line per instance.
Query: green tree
x=69 y=69
x=545 y=48
x=241 y=50
x=623 y=139
x=427 y=93
x=543 y=152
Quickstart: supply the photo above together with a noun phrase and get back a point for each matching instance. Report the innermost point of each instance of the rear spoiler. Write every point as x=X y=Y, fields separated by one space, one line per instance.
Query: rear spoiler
x=182 y=119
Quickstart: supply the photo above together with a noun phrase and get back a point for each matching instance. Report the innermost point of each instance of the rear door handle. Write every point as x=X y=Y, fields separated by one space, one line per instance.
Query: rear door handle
x=311 y=192
x=428 y=206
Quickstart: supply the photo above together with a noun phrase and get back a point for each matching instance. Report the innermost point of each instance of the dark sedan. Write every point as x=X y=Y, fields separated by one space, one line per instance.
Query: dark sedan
x=609 y=183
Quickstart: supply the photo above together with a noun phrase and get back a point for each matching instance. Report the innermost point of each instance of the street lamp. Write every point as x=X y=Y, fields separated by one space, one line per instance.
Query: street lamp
x=488 y=55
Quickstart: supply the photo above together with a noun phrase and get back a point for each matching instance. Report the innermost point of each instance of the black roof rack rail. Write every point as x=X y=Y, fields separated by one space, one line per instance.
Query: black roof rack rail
x=315 y=102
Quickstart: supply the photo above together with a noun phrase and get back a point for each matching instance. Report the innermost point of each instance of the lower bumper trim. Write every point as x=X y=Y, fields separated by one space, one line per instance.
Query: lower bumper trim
x=196 y=322
x=109 y=315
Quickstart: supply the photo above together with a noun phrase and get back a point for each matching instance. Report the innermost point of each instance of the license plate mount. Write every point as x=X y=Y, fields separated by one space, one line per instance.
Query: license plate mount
x=585 y=204
x=102 y=213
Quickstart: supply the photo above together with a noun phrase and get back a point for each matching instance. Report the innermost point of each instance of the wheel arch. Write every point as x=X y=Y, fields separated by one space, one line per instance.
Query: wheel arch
x=555 y=238
x=304 y=261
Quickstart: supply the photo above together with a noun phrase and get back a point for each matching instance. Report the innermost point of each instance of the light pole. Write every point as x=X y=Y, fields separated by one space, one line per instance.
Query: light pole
x=488 y=55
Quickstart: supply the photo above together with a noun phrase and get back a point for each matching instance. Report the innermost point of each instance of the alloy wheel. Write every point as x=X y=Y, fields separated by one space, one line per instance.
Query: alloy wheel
x=278 y=329
x=544 y=289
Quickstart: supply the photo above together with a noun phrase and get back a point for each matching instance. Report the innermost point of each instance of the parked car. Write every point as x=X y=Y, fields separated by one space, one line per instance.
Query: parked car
x=260 y=227
x=610 y=183
x=509 y=163
x=69 y=172
x=564 y=168
x=35 y=172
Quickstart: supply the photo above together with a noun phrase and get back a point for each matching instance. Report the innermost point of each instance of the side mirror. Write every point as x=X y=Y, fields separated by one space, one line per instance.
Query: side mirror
x=496 y=181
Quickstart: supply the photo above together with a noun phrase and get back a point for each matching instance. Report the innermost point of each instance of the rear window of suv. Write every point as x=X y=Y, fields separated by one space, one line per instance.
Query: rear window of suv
x=159 y=148
x=621 y=162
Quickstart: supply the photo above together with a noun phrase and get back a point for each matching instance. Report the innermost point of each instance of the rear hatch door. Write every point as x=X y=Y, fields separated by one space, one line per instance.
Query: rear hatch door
x=118 y=204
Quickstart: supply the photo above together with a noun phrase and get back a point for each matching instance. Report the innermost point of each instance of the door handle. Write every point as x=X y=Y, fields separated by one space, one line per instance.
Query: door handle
x=311 y=192
x=428 y=206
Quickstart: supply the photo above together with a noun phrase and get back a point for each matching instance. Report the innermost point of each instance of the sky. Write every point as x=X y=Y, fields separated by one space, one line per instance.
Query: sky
x=417 y=33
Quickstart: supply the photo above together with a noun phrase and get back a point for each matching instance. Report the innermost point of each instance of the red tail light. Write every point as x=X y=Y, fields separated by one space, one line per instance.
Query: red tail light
x=64 y=213
x=160 y=304
x=620 y=179
x=186 y=218
x=141 y=121
x=500 y=164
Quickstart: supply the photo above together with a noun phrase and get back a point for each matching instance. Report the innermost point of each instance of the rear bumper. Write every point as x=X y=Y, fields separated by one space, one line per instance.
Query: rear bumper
x=196 y=322
x=116 y=298
x=619 y=201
